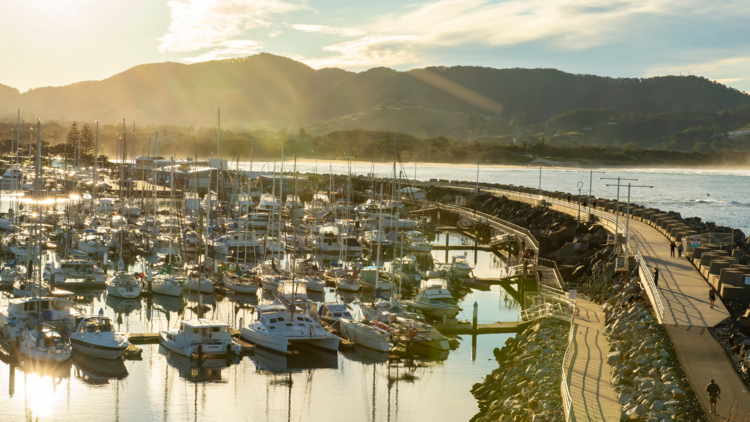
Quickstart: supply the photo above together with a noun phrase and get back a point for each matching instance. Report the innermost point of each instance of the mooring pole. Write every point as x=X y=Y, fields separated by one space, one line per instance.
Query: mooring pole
x=476 y=313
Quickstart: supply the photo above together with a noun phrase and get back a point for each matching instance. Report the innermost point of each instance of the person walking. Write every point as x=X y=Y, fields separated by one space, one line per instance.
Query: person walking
x=672 y=247
x=679 y=251
x=712 y=296
x=714 y=392
x=656 y=276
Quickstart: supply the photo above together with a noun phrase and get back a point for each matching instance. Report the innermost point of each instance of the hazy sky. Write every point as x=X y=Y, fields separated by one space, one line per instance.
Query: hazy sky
x=54 y=42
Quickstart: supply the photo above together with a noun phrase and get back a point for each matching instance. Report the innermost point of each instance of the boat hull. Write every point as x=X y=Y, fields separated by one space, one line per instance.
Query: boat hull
x=123 y=292
x=174 y=290
x=97 y=351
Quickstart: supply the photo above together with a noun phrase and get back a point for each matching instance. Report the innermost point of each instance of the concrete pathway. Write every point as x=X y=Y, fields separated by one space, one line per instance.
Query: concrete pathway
x=687 y=316
x=593 y=397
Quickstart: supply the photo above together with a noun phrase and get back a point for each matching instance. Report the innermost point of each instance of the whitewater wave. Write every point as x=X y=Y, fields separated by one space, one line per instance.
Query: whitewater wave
x=719 y=202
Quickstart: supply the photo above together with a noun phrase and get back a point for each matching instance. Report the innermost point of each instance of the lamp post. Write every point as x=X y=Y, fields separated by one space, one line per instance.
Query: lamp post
x=617 y=206
x=580 y=185
x=627 y=215
x=591 y=184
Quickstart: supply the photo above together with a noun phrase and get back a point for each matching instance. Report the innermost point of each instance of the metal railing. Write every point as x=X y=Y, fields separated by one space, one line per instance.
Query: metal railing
x=560 y=311
x=570 y=353
x=650 y=284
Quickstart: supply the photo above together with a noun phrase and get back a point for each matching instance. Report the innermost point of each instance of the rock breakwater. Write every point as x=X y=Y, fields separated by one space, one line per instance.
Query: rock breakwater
x=526 y=385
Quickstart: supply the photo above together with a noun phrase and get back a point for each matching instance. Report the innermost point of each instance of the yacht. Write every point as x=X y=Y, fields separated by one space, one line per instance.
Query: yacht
x=191 y=203
x=7 y=224
x=96 y=338
x=200 y=337
x=93 y=244
x=57 y=311
x=390 y=222
x=293 y=207
x=272 y=244
x=124 y=285
x=198 y=283
x=313 y=284
x=270 y=283
x=42 y=344
x=73 y=268
x=19 y=246
x=191 y=241
x=10 y=272
x=107 y=206
x=367 y=276
x=164 y=244
x=460 y=266
x=241 y=284
x=269 y=204
x=347 y=283
x=415 y=241
x=405 y=270
x=11 y=179
x=405 y=325
x=244 y=242
x=371 y=334
x=328 y=240
x=293 y=291
x=434 y=299
x=278 y=326
x=371 y=237
x=167 y=285
x=332 y=312
x=23 y=287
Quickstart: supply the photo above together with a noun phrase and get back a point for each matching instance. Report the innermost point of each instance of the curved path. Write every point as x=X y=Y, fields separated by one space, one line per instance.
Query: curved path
x=687 y=316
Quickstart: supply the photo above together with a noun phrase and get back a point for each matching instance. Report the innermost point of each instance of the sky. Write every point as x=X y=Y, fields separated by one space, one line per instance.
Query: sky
x=53 y=42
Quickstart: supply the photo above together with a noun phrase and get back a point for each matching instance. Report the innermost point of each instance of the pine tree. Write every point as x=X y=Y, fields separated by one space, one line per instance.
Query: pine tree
x=87 y=140
x=72 y=138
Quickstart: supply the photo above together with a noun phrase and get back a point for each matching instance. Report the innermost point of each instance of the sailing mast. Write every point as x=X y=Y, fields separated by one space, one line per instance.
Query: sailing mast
x=156 y=170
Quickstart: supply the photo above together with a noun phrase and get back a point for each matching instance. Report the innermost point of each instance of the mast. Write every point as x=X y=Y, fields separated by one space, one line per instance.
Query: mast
x=171 y=200
x=96 y=179
x=294 y=235
x=122 y=170
x=18 y=133
x=380 y=223
x=250 y=198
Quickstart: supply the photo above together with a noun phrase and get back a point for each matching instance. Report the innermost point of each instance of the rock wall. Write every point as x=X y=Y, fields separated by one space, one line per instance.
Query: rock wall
x=526 y=386
x=646 y=374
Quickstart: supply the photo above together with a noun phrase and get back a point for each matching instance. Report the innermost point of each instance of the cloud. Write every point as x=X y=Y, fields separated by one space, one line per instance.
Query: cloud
x=227 y=49
x=344 y=32
x=403 y=37
x=728 y=80
x=703 y=67
x=202 y=24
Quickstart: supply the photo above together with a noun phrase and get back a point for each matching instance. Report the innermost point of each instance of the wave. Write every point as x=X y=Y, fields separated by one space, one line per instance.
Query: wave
x=719 y=202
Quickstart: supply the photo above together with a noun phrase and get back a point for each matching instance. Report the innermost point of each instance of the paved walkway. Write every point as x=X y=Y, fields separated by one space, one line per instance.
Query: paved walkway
x=684 y=295
x=593 y=397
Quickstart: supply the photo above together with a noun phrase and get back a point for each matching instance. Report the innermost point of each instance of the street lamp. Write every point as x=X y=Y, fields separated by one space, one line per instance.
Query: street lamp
x=580 y=185
x=627 y=221
x=617 y=206
x=591 y=180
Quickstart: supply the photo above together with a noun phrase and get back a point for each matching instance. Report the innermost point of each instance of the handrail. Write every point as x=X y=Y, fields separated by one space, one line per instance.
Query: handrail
x=602 y=215
x=567 y=360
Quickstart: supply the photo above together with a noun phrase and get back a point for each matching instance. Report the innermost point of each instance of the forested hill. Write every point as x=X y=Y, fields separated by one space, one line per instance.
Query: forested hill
x=271 y=91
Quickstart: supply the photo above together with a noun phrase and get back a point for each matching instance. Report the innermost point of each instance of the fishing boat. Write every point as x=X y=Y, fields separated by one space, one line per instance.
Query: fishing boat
x=200 y=337
x=278 y=326
x=96 y=338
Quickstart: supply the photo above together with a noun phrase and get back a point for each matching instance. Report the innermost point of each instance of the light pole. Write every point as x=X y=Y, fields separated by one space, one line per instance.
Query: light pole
x=627 y=220
x=477 y=176
x=617 y=206
x=580 y=185
x=591 y=183
x=540 y=180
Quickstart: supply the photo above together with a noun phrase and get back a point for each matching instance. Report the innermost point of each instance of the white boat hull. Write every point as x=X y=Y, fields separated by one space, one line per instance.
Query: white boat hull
x=123 y=292
x=167 y=289
x=281 y=344
x=195 y=286
x=218 y=349
x=364 y=336
x=244 y=288
x=97 y=351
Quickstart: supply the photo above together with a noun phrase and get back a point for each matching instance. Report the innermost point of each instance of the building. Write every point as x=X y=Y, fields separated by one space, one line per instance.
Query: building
x=415 y=194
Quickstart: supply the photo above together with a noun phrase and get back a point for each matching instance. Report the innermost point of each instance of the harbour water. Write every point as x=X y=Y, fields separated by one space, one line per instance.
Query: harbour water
x=361 y=385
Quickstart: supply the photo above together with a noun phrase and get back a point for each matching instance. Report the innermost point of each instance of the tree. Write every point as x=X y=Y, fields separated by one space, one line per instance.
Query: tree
x=87 y=140
x=72 y=139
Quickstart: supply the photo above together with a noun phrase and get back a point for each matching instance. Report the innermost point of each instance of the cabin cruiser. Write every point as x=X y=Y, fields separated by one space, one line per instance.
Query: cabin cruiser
x=255 y=221
x=405 y=270
x=191 y=241
x=277 y=326
x=124 y=285
x=56 y=311
x=200 y=337
x=313 y=284
x=241 y=283
x=332 y=312
x=270 y=283
x=371 y=334
x=390 y=222
x=43 y=344
x=460 y=266
x=406 y=325
x=93 y=244
x=434 y=299
x=96 y=338
x=272 y=244
x=73 y=268
x=415 y=241
x=167 y=285
x=328 y=239
x=7 y=224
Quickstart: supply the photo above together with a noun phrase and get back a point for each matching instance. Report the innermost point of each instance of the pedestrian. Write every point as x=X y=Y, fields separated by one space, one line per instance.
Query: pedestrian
x=568 y=197
x=594 y=203
x=672 y=247
x=679 y=251
x=712 y=296
x=713 y=391
x=656 y=276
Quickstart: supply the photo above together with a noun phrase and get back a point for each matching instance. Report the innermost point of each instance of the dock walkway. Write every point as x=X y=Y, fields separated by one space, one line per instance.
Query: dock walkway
x=593 y=398
x=686 y=316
